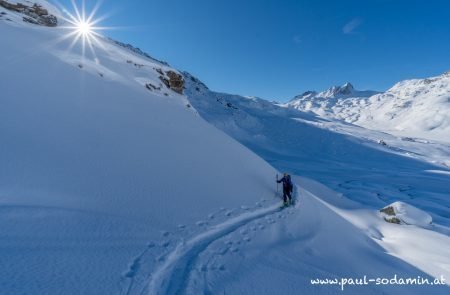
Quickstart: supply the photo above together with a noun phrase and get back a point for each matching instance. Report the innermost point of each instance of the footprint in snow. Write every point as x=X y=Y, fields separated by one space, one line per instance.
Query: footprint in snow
x=234 y=250
x=229 y=213
x=247 y=239
x=134 y=267
x=270 y=220
x=201 y=223
x=220 y=267
x=165 y=244
x=181 y=226
x=151 y=245
x=165 y=233
x=222 y=251
x=213 y=267
x=211 y=216
x=243 y=231
x=245 y=208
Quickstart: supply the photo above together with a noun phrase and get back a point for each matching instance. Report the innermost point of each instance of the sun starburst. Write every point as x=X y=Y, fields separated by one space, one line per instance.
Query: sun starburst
x=83 y=27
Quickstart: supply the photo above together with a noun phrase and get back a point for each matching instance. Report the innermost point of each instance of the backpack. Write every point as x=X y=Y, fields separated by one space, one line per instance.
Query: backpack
x=289 y=182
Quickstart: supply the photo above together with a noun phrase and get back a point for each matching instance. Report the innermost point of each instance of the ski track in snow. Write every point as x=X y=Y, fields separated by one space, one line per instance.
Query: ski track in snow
x=172 y=277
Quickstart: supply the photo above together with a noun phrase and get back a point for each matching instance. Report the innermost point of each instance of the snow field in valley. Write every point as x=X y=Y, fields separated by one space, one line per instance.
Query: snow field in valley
x=108 y=186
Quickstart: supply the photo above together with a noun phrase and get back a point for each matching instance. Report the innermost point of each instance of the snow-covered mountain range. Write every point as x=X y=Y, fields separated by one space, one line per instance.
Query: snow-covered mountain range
x=336 y=92
x=414 y=108
x=120 y=174
x=336 y=102
x=368 y=169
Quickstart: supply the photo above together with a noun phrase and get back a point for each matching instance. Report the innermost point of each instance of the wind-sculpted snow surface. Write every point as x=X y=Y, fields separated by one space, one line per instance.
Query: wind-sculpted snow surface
x=344 y=156
x=371 y=168
x=111 y=183
x=94 y=165
x=280 y=251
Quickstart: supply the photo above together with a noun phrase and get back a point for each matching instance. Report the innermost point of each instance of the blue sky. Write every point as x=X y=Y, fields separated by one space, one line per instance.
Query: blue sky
x=276 y=49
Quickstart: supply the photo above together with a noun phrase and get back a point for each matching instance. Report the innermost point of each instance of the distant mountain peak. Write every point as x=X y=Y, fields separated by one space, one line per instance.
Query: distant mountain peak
x=306 y=94
x=309 y=92
x=337 y=91
x=345 y=91
x=347 y=88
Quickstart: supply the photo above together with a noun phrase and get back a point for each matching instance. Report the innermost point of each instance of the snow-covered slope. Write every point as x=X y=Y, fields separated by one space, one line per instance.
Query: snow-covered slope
x=111 y=183
x=363 y=175
x=96 y=168
x=417 y=108
x=413 y=108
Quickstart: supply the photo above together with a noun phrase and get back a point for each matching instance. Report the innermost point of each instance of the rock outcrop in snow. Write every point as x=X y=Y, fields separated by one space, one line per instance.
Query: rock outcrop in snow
x=92 y=159
x=402 y=213
x=109 y=178
x=173 y=81
x=33 y=13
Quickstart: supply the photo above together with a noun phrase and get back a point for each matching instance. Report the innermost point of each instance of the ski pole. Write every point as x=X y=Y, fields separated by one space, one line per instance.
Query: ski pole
x=277 y=184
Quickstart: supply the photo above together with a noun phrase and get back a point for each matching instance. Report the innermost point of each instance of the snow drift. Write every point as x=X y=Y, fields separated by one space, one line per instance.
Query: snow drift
x=95 y=166
x=112 y=183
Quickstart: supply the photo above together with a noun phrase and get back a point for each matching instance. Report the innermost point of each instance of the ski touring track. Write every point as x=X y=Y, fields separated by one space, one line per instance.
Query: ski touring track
x=172 y=276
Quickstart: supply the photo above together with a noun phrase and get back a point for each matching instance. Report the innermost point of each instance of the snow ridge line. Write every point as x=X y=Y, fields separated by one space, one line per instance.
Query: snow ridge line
x=172 y=276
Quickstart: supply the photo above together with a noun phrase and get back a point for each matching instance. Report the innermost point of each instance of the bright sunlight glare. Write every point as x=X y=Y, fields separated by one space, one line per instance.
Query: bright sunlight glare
x=83 y=27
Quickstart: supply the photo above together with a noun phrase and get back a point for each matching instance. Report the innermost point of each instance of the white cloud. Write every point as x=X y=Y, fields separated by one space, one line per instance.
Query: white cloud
x=351 y=26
